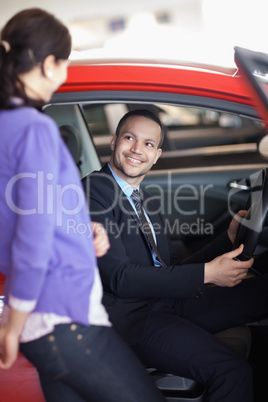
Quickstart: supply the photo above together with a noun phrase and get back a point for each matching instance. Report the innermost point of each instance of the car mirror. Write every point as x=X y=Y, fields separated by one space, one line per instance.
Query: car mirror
x=263 y=146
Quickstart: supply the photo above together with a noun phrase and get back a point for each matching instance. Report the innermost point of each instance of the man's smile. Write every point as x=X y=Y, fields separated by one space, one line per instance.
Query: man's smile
x=133 y=160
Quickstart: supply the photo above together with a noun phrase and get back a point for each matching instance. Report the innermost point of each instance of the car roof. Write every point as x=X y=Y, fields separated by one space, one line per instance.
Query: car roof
x=157 y=76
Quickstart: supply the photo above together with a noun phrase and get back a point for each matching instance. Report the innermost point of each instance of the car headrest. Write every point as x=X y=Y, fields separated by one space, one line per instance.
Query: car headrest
x=73 y=141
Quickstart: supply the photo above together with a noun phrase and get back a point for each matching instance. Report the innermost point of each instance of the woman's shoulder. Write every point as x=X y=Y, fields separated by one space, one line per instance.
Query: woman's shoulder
x=34 y=122
x=23 y=117
x=33 y=116
x=26 y=125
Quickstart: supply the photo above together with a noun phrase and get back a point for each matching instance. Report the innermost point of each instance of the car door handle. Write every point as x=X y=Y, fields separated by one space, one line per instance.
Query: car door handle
x=240 y=185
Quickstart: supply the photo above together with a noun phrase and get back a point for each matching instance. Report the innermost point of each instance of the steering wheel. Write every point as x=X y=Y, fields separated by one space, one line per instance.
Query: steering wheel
x=252 y=223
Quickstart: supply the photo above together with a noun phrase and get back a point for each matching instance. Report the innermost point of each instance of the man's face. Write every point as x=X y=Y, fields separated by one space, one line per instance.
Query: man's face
x=136 y=149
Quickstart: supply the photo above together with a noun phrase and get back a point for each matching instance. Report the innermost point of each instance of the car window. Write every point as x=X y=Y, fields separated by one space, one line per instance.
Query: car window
x=194 y=136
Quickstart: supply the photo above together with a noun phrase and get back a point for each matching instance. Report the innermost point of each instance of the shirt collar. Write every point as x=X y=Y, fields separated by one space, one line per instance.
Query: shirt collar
x=125 y=187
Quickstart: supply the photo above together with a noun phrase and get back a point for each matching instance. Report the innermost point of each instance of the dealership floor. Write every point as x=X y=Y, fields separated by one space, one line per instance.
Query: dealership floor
x=20 y=383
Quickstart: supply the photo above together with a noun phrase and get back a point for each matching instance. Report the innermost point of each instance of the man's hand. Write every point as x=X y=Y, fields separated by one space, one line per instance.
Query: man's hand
x=225 y=270
x=232 y=230
x=101 y=240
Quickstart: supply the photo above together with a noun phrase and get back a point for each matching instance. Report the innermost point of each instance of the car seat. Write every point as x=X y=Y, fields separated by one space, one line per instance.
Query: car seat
x=73 y=141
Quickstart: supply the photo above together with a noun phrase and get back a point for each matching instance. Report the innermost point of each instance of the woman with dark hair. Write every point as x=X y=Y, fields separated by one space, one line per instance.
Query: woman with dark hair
x=53 y=310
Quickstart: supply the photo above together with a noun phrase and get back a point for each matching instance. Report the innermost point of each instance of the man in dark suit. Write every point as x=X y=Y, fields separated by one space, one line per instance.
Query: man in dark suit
x=163 y=309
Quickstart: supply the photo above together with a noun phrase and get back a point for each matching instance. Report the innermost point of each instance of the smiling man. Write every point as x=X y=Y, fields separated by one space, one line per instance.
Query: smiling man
x=136 y=147
x=161 y=308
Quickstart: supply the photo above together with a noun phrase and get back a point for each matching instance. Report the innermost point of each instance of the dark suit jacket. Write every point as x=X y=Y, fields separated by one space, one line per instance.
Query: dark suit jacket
x=131 y=282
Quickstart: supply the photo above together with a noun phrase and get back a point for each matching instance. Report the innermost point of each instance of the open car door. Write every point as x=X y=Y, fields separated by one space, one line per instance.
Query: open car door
x=253 y=66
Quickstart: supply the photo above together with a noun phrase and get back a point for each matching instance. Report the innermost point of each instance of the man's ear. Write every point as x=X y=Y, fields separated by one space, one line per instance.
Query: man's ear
x=113 y=141
x=159 y=153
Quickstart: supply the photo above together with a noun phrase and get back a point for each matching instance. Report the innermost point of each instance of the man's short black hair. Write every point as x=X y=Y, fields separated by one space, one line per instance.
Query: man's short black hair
x=142 y=113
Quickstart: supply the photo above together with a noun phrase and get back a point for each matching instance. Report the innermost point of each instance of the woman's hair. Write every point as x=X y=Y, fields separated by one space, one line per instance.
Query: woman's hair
x=26 y=40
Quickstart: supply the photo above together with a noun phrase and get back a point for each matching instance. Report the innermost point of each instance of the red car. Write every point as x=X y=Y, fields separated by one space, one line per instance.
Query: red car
x=216 y=122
